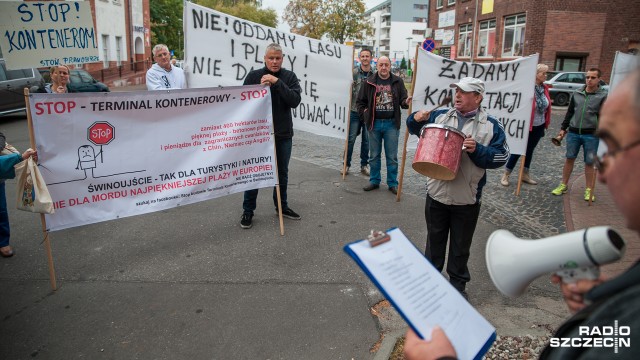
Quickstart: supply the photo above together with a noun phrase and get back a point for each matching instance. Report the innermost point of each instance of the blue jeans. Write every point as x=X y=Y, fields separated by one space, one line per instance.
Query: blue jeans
x=283 y=155
x=356 y=127
x=535 y=135
x=589 y=142
x=4 y=217
x=384 y=130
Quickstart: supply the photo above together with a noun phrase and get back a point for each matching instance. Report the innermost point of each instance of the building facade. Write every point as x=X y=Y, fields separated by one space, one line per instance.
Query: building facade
x=568 y=35
x=123 y=29
x=399 y=25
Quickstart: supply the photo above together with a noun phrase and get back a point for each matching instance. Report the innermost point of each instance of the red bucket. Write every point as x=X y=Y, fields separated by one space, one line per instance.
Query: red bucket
x=439 y=151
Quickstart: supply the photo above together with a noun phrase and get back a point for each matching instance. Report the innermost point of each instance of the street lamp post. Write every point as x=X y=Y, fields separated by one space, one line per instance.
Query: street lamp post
x=409 y=52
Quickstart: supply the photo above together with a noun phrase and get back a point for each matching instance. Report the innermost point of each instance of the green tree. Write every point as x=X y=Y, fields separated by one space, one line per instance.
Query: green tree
x=306 y=17
x=344 y=20
x=403 y=64
x=166 y=24
x=166 y=18
x=339 y=20
x=247 y=9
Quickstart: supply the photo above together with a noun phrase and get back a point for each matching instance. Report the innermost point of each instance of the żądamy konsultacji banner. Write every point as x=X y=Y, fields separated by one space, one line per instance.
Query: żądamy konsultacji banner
x=220 y=50
x=113 y=155
x=509 y=87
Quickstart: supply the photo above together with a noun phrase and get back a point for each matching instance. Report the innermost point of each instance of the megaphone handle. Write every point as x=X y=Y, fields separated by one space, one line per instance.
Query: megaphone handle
x=573 y=275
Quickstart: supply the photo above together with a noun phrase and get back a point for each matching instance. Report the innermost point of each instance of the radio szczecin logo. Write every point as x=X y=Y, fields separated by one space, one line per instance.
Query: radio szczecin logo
x=597 y=337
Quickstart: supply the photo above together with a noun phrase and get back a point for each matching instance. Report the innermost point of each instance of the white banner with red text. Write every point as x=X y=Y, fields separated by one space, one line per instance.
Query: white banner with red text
x=113 y=155
x=509 y=87
x=220 y=50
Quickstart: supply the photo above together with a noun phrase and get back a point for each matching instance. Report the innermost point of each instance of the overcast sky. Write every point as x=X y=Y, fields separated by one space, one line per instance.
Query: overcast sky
x=280 y=5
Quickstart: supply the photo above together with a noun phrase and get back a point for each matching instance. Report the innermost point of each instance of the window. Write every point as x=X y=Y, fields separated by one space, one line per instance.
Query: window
x=420 y=19
x=118 y=50
x=420 y=7
x=451 y=2
x=513 y=35
x=464 y=40
x=105 y=51
x=418 y=32
x=19 y=74
x=439 y=4
x=487 y=38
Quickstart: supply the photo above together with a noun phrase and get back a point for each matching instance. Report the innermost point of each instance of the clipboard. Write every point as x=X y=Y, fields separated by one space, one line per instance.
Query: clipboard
x=419 y=292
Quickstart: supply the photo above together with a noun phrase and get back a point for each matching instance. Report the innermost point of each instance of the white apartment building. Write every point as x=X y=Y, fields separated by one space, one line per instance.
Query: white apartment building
x=399 y=25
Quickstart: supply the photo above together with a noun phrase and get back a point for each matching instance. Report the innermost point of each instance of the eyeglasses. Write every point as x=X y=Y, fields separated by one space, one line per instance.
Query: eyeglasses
x=604 y=153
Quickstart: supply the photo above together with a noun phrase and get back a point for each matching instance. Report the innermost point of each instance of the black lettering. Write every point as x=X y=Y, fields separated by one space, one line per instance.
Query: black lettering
x=448 y=67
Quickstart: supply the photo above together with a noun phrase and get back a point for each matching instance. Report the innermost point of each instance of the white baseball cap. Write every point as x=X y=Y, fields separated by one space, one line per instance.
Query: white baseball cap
x=469 y=84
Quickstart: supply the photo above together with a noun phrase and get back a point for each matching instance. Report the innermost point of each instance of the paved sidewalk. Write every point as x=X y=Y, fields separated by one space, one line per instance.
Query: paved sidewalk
x=579 y=215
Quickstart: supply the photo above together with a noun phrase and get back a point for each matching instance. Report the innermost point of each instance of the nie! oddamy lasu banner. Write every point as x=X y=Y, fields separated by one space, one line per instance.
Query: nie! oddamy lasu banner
x=113 y=155
x=220 y=50
x=509 y=87
x=47 y=33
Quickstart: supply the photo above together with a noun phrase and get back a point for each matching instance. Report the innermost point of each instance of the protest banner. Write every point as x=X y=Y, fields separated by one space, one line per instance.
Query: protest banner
x=115 y=155
x=220 y=50
x=38 y=34
x=509 y=90
x=623 y=65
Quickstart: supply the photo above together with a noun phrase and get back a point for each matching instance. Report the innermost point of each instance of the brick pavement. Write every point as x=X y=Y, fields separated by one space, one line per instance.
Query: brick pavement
x=579 y=215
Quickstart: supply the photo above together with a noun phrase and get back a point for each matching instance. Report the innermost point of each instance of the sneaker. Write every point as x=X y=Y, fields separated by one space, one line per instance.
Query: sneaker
x=561 y=189
x=245 y=222
x=505 y=179
x=364 y=169
x=346 y=172
x=290 y=214
x=587 y=195
x=394 y=190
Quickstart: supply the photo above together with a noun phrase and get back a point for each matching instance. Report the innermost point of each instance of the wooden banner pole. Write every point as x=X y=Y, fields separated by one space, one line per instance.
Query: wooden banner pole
x=406 y=132
x=47 y=243
x=346 y=141
x=520 y=172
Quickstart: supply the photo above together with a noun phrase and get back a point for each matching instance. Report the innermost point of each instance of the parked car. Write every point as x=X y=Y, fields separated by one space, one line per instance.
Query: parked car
x=12 y=85
x=563 y=83
x=79 y=81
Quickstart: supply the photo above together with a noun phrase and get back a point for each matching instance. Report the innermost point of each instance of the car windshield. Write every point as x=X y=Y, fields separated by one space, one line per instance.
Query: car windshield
x=551 y=74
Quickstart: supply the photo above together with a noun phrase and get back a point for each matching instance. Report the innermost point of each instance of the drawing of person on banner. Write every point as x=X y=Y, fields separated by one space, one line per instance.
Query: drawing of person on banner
x=87 y=159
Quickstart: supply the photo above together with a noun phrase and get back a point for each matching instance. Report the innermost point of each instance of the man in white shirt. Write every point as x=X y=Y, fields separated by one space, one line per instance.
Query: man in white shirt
x=162 y=75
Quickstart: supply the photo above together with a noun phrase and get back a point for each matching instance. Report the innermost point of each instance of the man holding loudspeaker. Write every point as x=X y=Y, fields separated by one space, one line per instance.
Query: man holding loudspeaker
x=597 y=303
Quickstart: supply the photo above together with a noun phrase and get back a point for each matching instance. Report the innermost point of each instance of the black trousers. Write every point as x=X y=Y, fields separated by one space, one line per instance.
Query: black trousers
x=457 y=224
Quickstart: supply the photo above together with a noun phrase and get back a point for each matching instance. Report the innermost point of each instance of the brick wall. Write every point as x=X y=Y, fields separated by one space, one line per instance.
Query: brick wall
x=595 y=29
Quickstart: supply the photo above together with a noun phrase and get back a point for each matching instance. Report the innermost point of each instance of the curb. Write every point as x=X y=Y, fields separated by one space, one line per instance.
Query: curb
x=388 y=343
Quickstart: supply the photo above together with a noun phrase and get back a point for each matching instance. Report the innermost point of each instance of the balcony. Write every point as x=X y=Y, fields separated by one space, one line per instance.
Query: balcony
x=385 y=25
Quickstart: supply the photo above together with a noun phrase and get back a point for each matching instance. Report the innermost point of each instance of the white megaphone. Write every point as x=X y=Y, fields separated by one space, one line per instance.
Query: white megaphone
x=513 y=263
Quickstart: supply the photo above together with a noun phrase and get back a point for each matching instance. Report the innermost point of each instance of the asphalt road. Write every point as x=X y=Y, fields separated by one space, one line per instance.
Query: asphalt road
x=189 y=283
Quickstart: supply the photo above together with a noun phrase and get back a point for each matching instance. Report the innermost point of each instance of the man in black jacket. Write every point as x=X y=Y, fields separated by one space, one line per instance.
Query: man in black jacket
x=285 y=95
x=379 y=102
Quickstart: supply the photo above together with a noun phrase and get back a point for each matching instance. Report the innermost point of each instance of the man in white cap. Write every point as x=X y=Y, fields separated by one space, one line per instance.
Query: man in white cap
x=453 y=206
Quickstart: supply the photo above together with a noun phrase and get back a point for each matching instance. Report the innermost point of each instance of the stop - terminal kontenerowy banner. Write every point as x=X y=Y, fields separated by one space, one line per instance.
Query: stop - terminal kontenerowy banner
x=112 y=155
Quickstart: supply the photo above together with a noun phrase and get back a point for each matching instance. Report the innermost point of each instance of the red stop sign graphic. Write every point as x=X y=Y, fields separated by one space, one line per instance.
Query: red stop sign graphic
x=101 y=133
